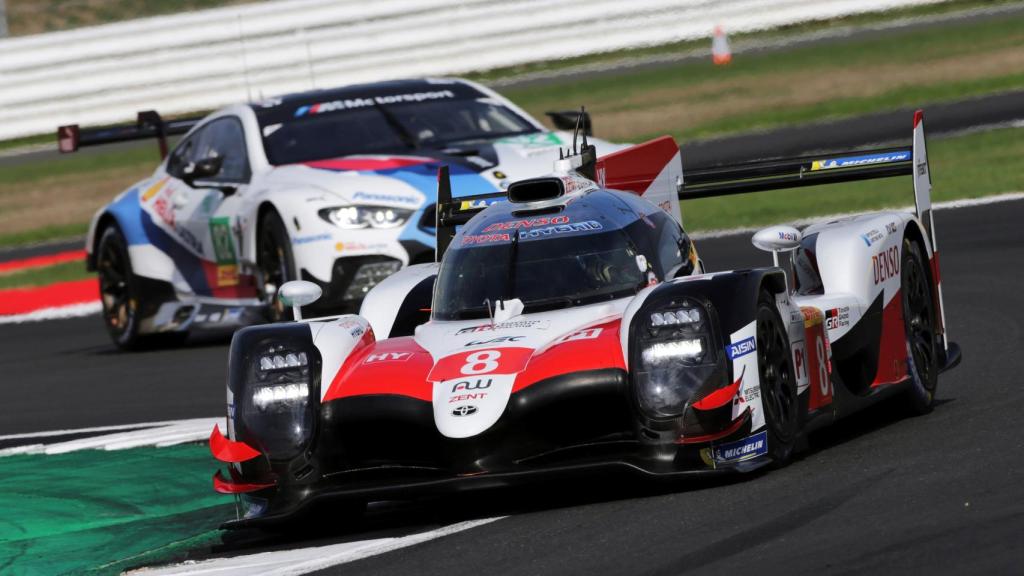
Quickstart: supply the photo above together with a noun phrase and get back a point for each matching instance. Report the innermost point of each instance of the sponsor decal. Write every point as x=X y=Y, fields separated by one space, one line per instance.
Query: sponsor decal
x=886 y=265
x=741 y=348
x=787 y=236
x=498 y=174
x=376 y=197
x=851 y=161
x=872 y=237
x=387 y=357
x=746 y=449
x=311 y=239
x=485 y=238
x=354 y=103
x=359 y=246
x=586 y=334
x=542 y=140
x=478 y=384
x=528 y=223
x=152 y=190
x=498 y=340
x=501 y=326
x=588 y=226
x=466 y=410
x=837 y=318
x=479 y=203
x=227 y=275
x=891 y=228
x=223 y=243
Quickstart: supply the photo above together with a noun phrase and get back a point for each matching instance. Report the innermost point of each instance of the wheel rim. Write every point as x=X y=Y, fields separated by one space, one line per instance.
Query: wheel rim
x=777 y=393
x=115 y=291
x=917 y=317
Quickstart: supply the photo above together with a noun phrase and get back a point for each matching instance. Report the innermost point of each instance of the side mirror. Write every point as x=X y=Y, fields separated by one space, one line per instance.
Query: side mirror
x=201 y=169
x=298 y=293
x=777 y=239
x=566 y=120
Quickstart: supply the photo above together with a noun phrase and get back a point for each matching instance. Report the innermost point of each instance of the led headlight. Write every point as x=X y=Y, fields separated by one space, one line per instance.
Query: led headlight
x=676 y=358
x=277 y=405
x=354 y=217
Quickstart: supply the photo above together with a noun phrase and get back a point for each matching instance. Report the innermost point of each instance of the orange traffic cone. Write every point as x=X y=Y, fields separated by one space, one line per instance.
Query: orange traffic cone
x=720 y=52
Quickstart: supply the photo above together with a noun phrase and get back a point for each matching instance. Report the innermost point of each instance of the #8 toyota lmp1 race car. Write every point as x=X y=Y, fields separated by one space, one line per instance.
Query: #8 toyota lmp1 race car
x=332 y=186
x=573 y=330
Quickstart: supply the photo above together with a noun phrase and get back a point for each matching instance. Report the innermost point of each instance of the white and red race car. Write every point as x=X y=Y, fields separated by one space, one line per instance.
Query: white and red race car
x=571 y=329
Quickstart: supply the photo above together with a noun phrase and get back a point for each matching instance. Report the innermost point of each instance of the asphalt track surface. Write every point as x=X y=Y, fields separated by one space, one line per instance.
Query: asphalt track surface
x=878 y=492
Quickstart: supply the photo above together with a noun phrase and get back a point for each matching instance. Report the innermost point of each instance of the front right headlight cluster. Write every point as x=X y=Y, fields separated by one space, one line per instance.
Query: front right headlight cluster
x=676 y=358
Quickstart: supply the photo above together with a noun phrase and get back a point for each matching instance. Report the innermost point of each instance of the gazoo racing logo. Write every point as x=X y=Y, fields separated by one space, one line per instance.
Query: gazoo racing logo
x=886 y=265
x=466 y=390
x=741 y=348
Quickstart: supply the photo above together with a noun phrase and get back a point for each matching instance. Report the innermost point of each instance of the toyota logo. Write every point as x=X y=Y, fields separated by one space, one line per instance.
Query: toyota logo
x=464 y=410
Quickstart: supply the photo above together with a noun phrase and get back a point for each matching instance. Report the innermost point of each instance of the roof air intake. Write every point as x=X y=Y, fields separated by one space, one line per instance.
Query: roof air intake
x=536 y=190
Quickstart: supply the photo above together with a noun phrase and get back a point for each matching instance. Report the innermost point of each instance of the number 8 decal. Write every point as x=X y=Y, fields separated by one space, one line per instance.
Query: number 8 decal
x=823 y=381
x=481 y=362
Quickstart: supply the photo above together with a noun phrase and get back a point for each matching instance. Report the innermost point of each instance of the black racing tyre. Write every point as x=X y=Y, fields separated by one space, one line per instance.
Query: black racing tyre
x=122 y=298
x=778 y=381
x=118 y=289
x=275 y=262
x=919 y=323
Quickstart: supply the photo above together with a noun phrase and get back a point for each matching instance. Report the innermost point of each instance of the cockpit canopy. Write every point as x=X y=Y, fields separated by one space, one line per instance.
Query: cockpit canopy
x=600 y=245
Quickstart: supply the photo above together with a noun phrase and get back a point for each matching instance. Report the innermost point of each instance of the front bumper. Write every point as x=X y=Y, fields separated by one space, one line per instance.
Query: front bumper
x=383 y=447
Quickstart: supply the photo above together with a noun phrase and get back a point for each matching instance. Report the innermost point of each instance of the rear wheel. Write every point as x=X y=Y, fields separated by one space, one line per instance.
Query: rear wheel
x=276 y=264
x=778 y=382
x=919 y=323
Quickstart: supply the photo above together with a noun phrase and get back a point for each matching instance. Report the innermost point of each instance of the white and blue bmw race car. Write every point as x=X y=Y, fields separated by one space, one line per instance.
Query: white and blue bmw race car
x=336 y=187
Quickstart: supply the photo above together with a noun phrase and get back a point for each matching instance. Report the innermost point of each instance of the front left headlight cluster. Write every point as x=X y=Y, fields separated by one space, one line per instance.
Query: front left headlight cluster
x=356 y=217
x=676 y=358
x=277 y=406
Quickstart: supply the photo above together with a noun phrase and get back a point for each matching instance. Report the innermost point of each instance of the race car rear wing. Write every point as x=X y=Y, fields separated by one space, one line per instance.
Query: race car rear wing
x=786 y=173
x=830 y=169
x=148 y=124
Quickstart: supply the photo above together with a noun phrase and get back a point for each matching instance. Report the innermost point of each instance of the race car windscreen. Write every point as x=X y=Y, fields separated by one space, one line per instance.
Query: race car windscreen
x=366 y=126
x=546 y=274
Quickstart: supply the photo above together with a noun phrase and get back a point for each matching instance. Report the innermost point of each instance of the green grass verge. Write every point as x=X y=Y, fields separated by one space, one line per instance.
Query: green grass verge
x=968 y=166
x=44 y=234
x=865 y=19
x=910 y=49
x=65 y=272
x=102 y=512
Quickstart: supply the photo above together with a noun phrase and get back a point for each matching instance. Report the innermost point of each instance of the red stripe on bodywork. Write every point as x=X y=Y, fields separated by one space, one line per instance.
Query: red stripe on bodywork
x=25 y=300
x=42 y=261
x=736 y=425
x=394 y=366
x=720 y=397
x=936 y=280
x=228 y=450
x=892 y=346
x=227 y=486
x=635 y=168
x=575 y=353
x=368 y=164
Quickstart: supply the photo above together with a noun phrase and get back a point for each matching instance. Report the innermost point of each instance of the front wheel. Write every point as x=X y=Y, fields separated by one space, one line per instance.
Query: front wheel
x=778 y=381
x=919 y=323
x=118 y=293
x=276 y=264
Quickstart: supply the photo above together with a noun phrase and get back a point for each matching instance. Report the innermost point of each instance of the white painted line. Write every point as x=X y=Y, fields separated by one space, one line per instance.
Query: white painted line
x=57 y=313
x=305 y=560
x=947 y=205
x=119 y=438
